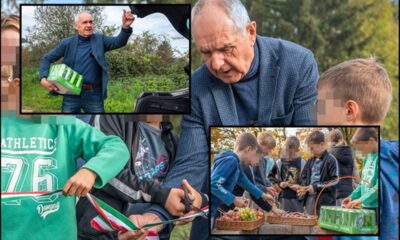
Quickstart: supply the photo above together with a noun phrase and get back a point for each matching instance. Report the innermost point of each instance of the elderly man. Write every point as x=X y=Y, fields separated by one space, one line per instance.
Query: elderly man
x=85 y=53
x=245 y=79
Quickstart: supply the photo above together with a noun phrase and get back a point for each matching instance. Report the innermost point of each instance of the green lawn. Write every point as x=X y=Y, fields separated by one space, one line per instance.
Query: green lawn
x=122 y=92
x=181 y=232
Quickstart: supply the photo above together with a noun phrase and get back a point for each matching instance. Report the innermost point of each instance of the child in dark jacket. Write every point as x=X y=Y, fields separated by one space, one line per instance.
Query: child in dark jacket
x=321 y=168
x=226 y=173
x=344 y=155
x=287 y=175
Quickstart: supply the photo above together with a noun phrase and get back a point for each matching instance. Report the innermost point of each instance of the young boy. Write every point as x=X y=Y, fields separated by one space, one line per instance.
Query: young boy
x=287 y=175
x=318 y=171
x=257 y=175
x=267 y=143
x=347 y=167
x=365 y=140
x=152 y=147
x=39 y=157
x=226 y=173
x=363 y=93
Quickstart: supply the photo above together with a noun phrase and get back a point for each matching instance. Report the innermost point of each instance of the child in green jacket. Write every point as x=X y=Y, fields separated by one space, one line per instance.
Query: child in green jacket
x=366 y=141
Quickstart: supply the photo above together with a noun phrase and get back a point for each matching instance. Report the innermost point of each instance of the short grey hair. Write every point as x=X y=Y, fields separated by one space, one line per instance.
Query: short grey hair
x=235 y=10
x=76 y=18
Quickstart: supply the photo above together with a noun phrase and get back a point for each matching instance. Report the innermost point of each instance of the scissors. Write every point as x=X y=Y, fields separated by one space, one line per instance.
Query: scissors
x=189 y=203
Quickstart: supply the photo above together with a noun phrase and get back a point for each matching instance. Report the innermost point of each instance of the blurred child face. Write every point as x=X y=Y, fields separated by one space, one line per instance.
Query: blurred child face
x=330 y=110
x=366 y=147
x=9 y=87
x=316 y=149
x=266 y=150
x=252 y=157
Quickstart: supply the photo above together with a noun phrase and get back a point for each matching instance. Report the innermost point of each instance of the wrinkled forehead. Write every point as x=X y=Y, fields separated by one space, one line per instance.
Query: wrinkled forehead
x=84 y=17
x=212 y=26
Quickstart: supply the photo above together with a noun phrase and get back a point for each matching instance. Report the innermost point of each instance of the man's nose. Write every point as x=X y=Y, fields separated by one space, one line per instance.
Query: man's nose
x=217 y=61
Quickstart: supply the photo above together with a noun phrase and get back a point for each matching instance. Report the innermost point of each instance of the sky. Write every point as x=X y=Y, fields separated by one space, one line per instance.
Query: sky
x=156 y=24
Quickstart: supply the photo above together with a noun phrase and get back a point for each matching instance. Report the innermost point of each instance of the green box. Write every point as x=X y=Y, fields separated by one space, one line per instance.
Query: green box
x=67 y=80
x=352 y=221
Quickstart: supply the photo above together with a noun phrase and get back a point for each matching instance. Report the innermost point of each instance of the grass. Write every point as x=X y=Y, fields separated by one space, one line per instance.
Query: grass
x=181 y=232
x=122 y=91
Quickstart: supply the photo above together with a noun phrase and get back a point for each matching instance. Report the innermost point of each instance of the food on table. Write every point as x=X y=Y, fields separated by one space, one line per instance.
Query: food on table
x=242 y=214
x=297 y=215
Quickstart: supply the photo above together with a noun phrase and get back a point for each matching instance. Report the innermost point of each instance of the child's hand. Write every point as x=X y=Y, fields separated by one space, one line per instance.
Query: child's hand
x=283 y=184
x=301 y=191
x=195 y=197
x=81 y=183
x=174 y=203
x=277 y=188
x=354 y=204
x=310 y=189
x=277 y=211
x=272 y=191
x=294 y=187
x=268 y=198
x=239 y=202
x=345 y=202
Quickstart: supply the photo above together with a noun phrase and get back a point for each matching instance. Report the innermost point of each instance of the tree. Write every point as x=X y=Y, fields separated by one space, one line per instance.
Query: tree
x=54 y=23
x=335 y=31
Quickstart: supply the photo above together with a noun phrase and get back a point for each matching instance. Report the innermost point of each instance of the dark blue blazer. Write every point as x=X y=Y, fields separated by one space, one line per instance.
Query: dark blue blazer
x=288 y=75
x=100 y=44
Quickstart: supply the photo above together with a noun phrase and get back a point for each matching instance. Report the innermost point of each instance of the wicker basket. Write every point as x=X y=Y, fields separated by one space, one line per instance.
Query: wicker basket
x=240 y=225
x=292 y=220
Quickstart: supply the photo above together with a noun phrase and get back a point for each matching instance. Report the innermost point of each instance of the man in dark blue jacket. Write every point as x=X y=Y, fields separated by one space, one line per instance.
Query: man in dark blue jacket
x=245 y=79
x=85 y=53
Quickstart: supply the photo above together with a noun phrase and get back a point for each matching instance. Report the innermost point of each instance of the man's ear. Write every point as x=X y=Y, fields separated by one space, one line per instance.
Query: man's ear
x=352 y=111
x=251 y=29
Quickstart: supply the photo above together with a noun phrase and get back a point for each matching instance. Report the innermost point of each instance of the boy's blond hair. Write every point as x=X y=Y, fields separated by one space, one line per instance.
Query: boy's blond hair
x=245 y=140
x=265 y=138
x=364 y=81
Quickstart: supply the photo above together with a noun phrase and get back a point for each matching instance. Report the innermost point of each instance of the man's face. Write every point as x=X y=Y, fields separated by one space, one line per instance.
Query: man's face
x=316 y=149
x=84 y=25
x=227 y=54
x=330 y=110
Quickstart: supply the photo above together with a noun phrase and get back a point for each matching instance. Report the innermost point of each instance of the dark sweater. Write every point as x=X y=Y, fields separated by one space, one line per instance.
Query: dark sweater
x=85 y=63
x=246 y=93
x=344 y=156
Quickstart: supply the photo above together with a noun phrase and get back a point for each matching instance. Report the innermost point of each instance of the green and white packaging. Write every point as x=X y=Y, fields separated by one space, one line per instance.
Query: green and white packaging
x=352 y=221
x=67 y=80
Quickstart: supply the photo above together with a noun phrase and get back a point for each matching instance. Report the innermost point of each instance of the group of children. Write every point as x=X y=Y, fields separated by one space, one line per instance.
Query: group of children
x=297 y=182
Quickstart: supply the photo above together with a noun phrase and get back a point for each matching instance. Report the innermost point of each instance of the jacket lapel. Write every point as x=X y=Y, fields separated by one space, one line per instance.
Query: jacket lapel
x=268 y=77
x=226 y=107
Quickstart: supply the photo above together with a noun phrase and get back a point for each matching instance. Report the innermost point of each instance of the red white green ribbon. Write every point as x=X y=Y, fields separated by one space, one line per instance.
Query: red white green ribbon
x=110 y=219
x=12 y=196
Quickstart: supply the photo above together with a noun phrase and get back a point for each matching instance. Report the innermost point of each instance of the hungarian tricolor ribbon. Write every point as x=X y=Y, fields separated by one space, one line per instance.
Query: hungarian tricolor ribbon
x=12 y=196
x=110 y=219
